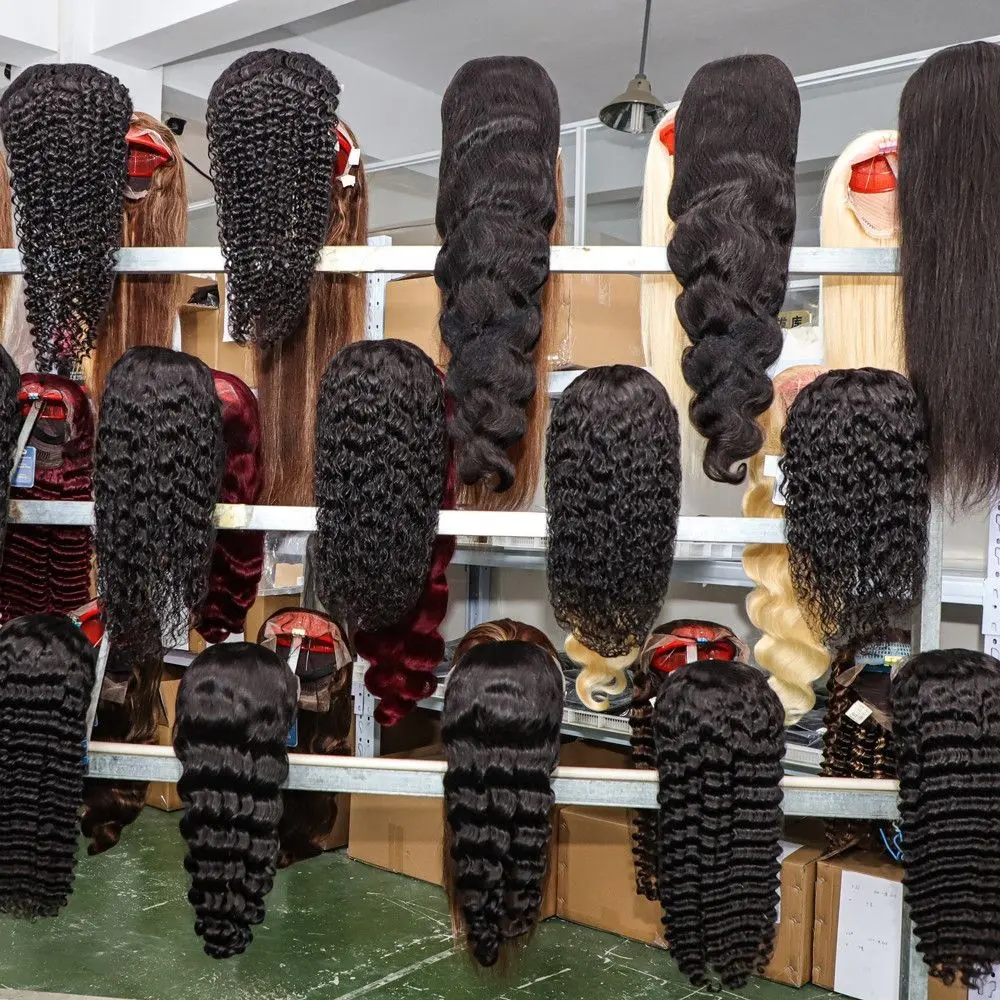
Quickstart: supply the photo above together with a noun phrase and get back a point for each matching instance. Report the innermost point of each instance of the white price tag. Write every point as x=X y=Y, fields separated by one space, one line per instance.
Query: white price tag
x=858 y=712
x=773 y=471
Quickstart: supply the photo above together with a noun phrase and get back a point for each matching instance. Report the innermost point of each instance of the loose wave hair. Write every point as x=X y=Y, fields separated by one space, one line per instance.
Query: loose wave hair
x=496 y=211
x=500 y=727
x=856 y=501
x=10 y=428
x=272 y=143
x=950 y=259
x=719 y=744
x=64 y=129
x=235 y=706
x=946 y=727
x=46 y=675
x=733 y=205
x=381 y=462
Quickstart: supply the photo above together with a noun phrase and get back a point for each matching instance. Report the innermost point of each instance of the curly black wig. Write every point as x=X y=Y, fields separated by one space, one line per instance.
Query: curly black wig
x=235 y=707
x=612 y=490
x=719 y=733
x=733 y=205
x=949 y=211
x=856 y=501
x=64 y=127
x=946 y=726
x=502 y=711
x=381 y=463
x=272 y=143
x=495 y=211
x=46 y=675
x=10 y=427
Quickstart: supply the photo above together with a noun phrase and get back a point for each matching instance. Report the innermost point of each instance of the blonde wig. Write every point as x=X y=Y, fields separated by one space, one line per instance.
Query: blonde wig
x=9 y=285
x=601 y=678
x=787 y=649
x=862 y=318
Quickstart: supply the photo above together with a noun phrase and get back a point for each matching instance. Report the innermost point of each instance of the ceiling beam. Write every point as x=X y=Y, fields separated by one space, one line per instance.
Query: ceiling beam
x=29 y=31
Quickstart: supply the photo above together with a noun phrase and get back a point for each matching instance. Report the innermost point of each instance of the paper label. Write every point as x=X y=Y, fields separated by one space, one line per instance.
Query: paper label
x=869 y=931
x=772 y=470
x=24 y=478
x=787 y=847
x=990 y=989
x=858 y=712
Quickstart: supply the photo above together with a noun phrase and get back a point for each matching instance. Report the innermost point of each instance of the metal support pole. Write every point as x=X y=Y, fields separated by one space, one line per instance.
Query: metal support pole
x=478 y=607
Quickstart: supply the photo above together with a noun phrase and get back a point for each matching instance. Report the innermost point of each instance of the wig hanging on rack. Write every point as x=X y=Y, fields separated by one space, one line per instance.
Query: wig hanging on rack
x=612 y=491
x=787 y=649
x=10 y=284
x=862 y=318
x=10 y=427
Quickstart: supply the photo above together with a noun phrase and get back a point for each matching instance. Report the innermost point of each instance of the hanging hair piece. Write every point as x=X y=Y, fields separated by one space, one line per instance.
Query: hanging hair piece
x=719 y=745
x=612 y=491
x=496 y=212
x=856 y=502
x=946 y=726
x=733 y=205
x=500 y=727
x=9 y=283
x=272 y=142
x=64 y=129
x=235 y=707
x=10 y=428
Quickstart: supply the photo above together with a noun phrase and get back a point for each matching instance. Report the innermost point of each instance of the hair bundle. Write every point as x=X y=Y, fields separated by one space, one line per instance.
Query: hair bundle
x=733 y=205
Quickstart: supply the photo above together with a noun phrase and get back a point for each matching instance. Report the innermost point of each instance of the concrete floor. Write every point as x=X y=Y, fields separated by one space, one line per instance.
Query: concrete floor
x=335 y=930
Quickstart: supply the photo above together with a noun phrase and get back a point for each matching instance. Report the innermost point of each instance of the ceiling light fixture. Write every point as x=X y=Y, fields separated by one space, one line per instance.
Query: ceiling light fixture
x=637 y=111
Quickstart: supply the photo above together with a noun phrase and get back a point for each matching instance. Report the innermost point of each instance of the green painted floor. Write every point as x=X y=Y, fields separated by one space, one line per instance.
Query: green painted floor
x=335 y=930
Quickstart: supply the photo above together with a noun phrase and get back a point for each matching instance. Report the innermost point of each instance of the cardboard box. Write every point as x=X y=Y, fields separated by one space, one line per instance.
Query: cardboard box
x=856 y=942
x=201 y=335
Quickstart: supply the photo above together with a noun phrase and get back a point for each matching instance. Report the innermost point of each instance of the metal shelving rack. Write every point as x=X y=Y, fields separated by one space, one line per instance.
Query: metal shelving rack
x=803 y=795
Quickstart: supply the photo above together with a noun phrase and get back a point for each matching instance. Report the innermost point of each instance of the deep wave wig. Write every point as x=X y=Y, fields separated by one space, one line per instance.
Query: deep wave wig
x=719 y=743
x=856 y=501
x=946 y=726
x=10 y=427
x=381 y=462
x=64 y=128
x=612 y=490
x=235 y=706
x=272 y=143
x=950 y=259
x=496 y=209
x=733 y=205
x=500 y=727
x=46 y=675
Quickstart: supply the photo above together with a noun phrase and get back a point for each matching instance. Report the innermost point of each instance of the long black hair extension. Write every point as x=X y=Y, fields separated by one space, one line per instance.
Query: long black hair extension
x=272 y=142
x=856 y=501
x=946 y=727
x=950 y=259
x=733 y=205
x=10 y=427
x=235 y=707
x=381 y=463
x=46 y=676
x=64 y=128
x=495 y=212
x=503 y=708
x=719 y=733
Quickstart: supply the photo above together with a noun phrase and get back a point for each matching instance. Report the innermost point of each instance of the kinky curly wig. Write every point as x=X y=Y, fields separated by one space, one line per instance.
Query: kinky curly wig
x=946 y=727
x=612 y=490
x=500 y=727
x=950 y=259
x=496 y=210
x=856 y=501
x=381 y=464
x=10 y=428
x=46 y=675
x=719 y=744
x=64 y=127
x=733 y=204
x=235 y=707
x=272 y=143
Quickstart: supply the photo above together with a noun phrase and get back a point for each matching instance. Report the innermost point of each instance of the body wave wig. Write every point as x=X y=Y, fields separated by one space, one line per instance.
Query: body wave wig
x=856 y=502
x=946 y=727
x=64 y=127
x=502 y=712
x=10 y=428
x=496 y=211
x=235 y=706
x=612 y=491
x=272 y=143
x=381 y=463
x=787 y=649
x=862 y=319
x=289 y=372
x=733 y=205
x=950 y=259
x=719 y=744
x=46 y=675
